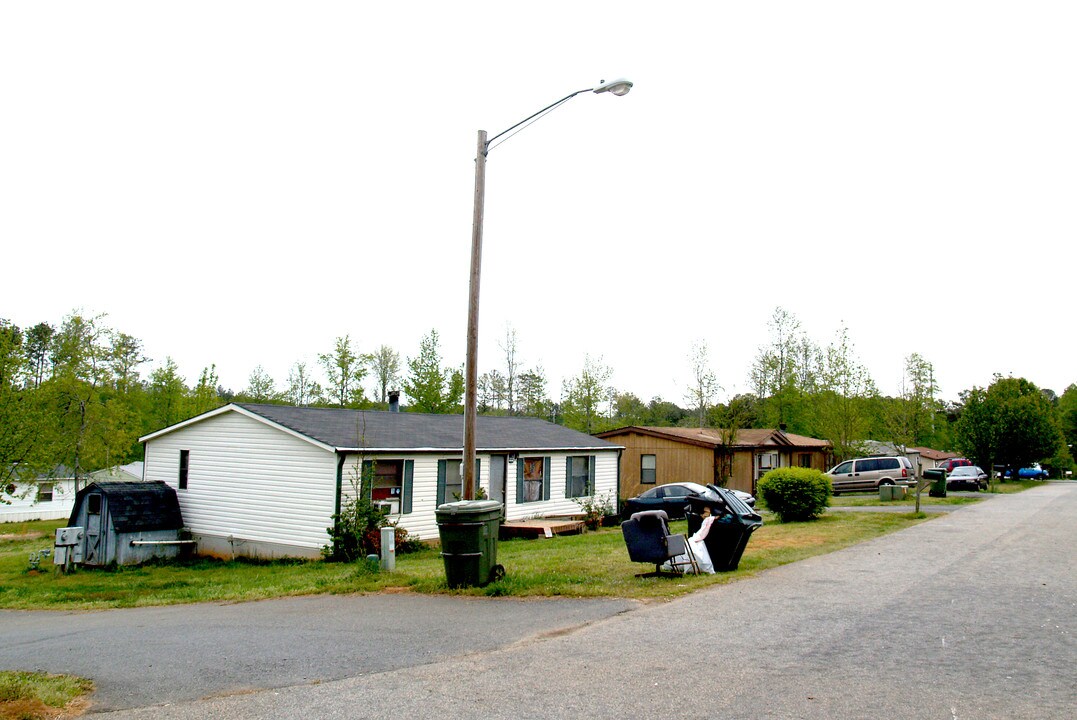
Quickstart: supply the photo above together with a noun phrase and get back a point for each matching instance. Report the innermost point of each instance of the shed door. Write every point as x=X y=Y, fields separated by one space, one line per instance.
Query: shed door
x=96 y=537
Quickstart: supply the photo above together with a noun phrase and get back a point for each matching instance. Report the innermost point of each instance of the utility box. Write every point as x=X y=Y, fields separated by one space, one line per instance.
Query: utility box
x=388 y=549
x=68 y=546
x=68 y=536
x=892 y=492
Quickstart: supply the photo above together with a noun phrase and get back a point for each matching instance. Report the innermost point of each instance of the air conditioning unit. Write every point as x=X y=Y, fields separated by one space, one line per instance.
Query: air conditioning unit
x=390 y=506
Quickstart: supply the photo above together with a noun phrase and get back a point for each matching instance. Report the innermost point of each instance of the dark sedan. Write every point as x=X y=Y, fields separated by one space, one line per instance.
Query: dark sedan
x=967 y=476
x=673 y=497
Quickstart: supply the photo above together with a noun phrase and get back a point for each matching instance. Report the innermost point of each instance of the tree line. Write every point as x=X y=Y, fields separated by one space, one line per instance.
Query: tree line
x=75 y=395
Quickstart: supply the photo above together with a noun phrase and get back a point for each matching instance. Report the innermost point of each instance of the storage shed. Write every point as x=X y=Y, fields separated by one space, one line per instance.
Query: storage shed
x=127 y=523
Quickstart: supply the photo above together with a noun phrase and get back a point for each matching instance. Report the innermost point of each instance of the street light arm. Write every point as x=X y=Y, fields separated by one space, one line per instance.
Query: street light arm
x=529 y=118
x=471 y=365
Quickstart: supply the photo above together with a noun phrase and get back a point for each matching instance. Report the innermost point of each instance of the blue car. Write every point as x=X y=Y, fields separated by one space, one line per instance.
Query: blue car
x=1030 y=473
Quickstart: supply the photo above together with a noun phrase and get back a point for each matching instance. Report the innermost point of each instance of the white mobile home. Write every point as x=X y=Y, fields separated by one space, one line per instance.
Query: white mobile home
x=48 y=497
x=265 y=480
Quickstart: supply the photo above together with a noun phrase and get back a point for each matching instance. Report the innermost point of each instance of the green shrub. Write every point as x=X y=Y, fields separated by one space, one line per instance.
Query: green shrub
x=795 y=494
x=595 y=508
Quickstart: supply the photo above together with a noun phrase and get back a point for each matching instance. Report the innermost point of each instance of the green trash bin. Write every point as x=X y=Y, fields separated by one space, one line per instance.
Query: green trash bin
x=937 y=476
x=468 y=530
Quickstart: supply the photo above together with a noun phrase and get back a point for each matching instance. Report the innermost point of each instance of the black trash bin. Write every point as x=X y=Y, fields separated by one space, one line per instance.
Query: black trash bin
x=734 y=523
x=468 y=531
x=937 y=476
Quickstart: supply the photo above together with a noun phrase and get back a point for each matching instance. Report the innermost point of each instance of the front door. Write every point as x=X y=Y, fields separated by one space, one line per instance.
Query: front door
x=497 y=479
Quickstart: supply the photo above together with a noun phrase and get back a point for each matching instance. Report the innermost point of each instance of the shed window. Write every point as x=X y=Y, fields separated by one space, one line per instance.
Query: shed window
x=648 y=469
x=93 y=504
x=184 y=464
x=44 y=492
x=805 y=460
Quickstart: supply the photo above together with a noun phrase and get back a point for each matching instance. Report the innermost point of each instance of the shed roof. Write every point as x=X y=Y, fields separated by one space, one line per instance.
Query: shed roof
x=712 y=437
x=379 y=430
x=135 y=506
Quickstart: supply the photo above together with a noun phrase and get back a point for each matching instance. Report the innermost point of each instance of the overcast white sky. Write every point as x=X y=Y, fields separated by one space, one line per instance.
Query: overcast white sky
x=239 y=183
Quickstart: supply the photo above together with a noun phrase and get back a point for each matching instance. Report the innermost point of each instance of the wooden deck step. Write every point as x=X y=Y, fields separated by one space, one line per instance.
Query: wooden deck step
x=540 y=527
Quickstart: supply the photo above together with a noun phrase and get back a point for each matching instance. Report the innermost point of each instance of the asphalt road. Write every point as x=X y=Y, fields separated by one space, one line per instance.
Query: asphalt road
x=970 y=615
x=160 y=655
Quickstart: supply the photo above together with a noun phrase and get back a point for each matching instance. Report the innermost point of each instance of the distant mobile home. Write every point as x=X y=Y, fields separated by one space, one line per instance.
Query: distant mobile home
x=49 y=497
x=658 y=455
x=265 y=480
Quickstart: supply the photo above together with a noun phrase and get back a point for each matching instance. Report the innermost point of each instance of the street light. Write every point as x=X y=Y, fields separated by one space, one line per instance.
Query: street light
x=614 y=87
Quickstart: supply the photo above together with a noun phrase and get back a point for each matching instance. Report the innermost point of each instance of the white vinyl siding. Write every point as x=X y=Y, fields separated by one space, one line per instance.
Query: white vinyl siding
x=421 y=522
x=558 y=504
x=248 y=480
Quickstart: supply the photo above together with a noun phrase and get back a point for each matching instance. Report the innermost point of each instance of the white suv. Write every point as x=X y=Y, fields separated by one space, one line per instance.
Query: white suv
x=869 y=473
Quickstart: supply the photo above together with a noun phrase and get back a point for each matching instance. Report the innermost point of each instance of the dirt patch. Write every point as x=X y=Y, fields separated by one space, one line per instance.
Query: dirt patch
x=11 y=537
x=27 y=709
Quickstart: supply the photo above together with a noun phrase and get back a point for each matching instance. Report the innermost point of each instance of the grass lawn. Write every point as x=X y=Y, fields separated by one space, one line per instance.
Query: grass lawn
x=594 y=564
x=37 y=696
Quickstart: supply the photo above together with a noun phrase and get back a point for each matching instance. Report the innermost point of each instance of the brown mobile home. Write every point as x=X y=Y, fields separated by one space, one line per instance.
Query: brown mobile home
x=657 y=455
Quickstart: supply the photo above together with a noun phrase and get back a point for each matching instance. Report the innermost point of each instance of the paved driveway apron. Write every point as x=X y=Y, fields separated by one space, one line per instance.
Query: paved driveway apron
x=971 y=615
x=148 y=656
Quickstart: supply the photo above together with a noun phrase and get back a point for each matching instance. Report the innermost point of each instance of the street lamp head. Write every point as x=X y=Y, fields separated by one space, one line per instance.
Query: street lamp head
x=619 y=86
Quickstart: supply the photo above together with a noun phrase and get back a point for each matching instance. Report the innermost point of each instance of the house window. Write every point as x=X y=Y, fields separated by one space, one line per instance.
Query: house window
x=452 y=486
x=451 y=480
x=389 y=482
x=388 y=485
x=578 y=476
x=534 y=478
x=185 y=462
x=804 y=460
x=648 y=469
x=44 y=492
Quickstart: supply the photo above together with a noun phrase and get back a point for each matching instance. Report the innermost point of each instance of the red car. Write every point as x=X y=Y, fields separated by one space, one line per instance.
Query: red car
x=949 y=465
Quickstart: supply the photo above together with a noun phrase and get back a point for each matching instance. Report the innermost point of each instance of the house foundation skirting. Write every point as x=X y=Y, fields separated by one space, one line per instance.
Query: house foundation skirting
x=230 y=546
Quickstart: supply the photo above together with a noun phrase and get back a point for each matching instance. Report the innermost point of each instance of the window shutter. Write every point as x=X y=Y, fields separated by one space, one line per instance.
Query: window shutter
x=441 y=482
x=519 y=479
x=568 y=476
x=478 y=475
x=366 y=478
x=546 y=477
x=591 y=475
x=409 y=473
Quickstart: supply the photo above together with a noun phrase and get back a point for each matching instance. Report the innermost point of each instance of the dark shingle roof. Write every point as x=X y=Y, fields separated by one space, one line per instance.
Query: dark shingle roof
x=135 y=506
x=380 y=430
x=712 y=437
